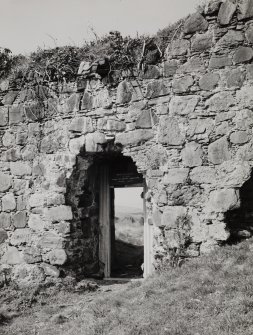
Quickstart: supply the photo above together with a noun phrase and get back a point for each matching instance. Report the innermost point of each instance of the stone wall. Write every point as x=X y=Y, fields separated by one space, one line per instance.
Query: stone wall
x=186 y=123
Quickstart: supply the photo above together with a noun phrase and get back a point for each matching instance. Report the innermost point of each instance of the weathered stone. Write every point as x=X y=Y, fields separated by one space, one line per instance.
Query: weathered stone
x=36 y=223
x=200 y=127
x=245 y=9
x=220 y=102
x=32 y=255
x=134 y=137
x=170 y=68
x=230 y=39
x=176 y=176
x=114 y=125
x=192 y=154
x=5 y=221
x=87 y=101
x=19 y=219
x=34 y=111
x=10 y=97
x=219 y=61
x=76 y=144
x=3 y=235
x=59 y=213
x=8 y=202
x=223 y=200
x=249 y=34
x=183 y=105
x=73 y=102
x=3 y=116
x=37 y=200
x=5 y=182
x=57 y=257
x=55 y=199
x=81 y=125
x=218 y=151
x=21 y=236
x=183 y=84
x=11 y=155
x=156 y=89
x=12 y=256
x=222 y=129
x=209 y=81
x=202 y=42
x=92 y=141
x=124 y=93
x=232 y=174
x=151 y=72
x=28 y=275
x=226 y=12
x=8 y=139
x=169 y=131
x=102 y=99
x=203 y=175
x=16 y=114
x=50 y=240
x=245 y=96
x=217 y=231
x=235 y=78
x=50 y=270
x=239 y=137
x=212 y=7
x=242 y=55
x=157 y=217
x=178 y=47
x=171 y=215
x=194 y=64
x=196 y=22
x=20 y=168
x=49 y=144
x=147 y=119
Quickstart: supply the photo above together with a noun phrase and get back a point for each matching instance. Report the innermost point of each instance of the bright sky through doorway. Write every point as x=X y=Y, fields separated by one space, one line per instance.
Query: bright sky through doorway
x=128 y=198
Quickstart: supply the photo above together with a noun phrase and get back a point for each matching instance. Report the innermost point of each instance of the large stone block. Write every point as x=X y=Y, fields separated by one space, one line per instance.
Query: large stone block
x=196 y=22
x=183 y=84
x=169 y=131
x=235 y=78
x=10 y=97
x=73 y=102
x=50 y=270
x=220 y=102
x=202 y=42
x=203 y=175
x=34 y=111
x=217 y=231
x=176 y=176
x=50 y=144
x=245 y=96
x=192 y=154
x=50 y=240
x=20 y=168
x=12 y=256
x=87 y=101
x=151 y=72
x=37 y=200
x=232 y=173
x=8 y=202
x=193 y=64
x=16 y=114
x=57 y=257
x=171 y=215
x=81 y=125
x=239 y=137
x=226 y=12
x=156 y=89
x=218 y=151
x=3 y=116
x=76 y=144
x=134 y=137
x=245 y=9
x=32 y=255
x=8 y=139
x=219 y=61
x=230 y=39
x=209 y=81
x=147 y=119
x=19 y=219
x=124 y=93
x=102 y=99
x=183 y=105
x=249 y=34
x=92 y=141
x=36 y=223
x=3 y=235
x=21 y=236
x=178 y=47
x=5 y=221
x=223 y=200
x=242 y=55
x=59 y=213
x=170 y=68
x=5 y=182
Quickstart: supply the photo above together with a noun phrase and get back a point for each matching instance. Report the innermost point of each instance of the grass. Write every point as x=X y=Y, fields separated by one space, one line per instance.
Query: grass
x=209 y=295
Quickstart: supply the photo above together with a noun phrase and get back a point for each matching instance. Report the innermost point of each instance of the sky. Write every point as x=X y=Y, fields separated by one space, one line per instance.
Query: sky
x=26 y=25
x=128 y=197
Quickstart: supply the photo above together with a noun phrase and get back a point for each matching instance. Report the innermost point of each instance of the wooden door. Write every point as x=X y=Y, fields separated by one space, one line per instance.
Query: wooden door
x=104 y=221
